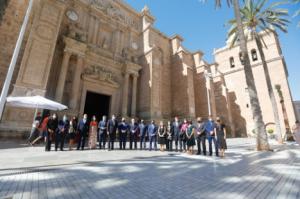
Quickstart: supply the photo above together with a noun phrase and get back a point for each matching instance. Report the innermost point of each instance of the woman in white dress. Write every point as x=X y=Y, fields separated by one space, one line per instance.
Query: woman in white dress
x=296 y=131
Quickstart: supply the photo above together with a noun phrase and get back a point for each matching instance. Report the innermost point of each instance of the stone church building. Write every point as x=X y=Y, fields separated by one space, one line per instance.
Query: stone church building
x=103 y=57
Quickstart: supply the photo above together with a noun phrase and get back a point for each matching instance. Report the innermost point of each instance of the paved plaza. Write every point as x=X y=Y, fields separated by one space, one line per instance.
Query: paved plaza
x=29 y=172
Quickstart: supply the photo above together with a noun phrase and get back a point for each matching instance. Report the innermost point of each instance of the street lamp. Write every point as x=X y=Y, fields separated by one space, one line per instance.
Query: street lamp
x=14 y=58
x=208 y=77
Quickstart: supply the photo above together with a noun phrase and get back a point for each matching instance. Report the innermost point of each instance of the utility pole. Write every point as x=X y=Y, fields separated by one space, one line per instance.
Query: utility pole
x=208 y=76
x=14 y=58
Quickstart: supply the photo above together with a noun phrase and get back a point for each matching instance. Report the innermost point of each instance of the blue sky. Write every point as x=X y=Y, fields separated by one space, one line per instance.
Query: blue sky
x=202 y=27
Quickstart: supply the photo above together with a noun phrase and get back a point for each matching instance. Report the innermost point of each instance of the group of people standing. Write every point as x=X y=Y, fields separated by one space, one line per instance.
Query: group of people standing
x=177 y=135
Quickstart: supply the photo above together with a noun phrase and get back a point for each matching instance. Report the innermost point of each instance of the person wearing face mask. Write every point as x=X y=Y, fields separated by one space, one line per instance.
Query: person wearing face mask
x=220 y=132
x=182 y=137
x=123 y=129
x=161 y=136
x=152 y=134
x=63 y=126
x=133 y=134
x=200 y=136
x=210 y=134
x=102 y=132
x=72 y=132
x=82 y=129
x=190 y=137
x=34 y=132
x=112 y=126
x=169 y=140
x=176 y=132
x=51 y=130
x=93 y=133
x=142 y=134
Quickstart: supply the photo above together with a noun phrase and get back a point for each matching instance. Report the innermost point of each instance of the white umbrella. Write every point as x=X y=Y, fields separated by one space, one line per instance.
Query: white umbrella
x=35 y=102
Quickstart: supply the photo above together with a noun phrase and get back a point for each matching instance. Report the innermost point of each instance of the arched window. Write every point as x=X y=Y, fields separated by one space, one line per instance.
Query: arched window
x=231 y=61
x=241 y=58
x=254 y=55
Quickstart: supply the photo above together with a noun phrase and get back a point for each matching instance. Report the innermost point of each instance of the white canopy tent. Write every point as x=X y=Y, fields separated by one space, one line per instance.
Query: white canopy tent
x=36 y=102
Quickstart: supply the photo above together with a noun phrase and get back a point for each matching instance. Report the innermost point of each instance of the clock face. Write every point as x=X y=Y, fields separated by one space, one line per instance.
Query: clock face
x=134 y=46
x=72 y=15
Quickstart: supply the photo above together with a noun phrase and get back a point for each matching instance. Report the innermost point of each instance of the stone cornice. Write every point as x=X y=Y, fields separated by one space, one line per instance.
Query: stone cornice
x=132 y=68
x=75 y=47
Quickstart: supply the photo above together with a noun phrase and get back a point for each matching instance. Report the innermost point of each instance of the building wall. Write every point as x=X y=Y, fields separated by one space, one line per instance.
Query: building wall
x=11 y=23
x=235 y=82
x=297 y=109
x=200 y=93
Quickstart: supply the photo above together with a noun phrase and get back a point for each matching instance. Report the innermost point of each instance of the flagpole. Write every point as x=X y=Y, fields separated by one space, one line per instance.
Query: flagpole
x=13 y=62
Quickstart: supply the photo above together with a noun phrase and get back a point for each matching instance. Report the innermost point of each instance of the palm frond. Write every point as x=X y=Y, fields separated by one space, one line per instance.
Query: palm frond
x=257 y=16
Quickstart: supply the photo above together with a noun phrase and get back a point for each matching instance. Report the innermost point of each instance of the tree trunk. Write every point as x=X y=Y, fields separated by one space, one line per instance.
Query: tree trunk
x=261 y=135
x=270 y=89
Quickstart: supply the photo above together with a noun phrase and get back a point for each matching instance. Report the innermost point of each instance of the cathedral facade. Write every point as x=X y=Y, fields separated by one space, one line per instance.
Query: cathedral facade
x=102 y=57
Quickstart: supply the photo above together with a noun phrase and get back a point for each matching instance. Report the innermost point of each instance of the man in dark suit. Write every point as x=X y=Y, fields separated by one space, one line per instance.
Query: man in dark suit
x=63 y=127
x=123 y=129
x=133 y=134
x=176 y=131
x=210 y=135
x=152 y=134
x=51 y=130
x=83 y=129
x=102 y=132
x=201 y=136
x=142 y=134
x=112 y=126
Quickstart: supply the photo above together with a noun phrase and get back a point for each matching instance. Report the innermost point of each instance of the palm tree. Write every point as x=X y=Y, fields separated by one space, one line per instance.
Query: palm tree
x=261 y=134
x=256 y=18
x=297 y=13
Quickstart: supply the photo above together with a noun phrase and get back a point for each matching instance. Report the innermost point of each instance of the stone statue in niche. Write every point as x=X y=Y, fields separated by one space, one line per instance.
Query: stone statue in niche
x=98 y=73
x=105 y=43
x=99 y=4
x=115 y=12
x=125 y=53
x=107 y=7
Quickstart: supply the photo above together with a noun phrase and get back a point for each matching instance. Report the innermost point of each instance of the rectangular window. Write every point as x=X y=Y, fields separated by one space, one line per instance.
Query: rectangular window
x=231 y=61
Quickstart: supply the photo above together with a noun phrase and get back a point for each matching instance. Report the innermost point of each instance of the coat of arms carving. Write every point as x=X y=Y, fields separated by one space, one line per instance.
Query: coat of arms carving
x=97 y=73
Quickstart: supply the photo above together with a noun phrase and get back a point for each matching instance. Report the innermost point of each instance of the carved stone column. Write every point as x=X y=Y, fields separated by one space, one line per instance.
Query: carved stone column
x=134 y=89
x=76 y=83
x=116 y=41
x=125 y=94
x=95 y=34
x=91 y=29
x=62 y=78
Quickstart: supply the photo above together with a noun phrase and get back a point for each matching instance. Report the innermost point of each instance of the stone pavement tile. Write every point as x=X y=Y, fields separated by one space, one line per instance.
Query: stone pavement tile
x=143 y=174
